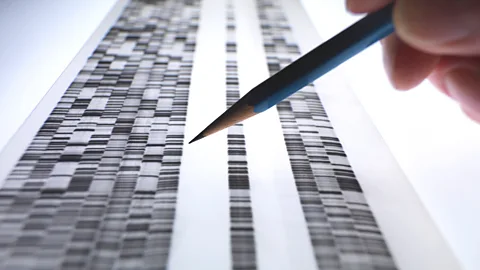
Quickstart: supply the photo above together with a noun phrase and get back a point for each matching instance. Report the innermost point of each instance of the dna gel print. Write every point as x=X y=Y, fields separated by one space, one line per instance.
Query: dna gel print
x=343 y=231
x=241 y=216
x=96 y=188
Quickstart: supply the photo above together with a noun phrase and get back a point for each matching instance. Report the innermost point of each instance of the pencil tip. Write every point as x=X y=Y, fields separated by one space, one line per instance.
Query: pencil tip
x=236 y=113
x=198 y=137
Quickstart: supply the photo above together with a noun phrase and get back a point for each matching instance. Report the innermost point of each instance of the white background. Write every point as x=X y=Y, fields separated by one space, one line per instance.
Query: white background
x=435 y=144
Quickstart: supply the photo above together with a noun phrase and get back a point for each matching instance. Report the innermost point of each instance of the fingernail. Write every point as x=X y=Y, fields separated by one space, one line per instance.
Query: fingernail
x=463 y=85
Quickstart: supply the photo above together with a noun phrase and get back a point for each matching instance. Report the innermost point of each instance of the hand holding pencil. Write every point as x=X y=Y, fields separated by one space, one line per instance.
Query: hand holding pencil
x=434 y=39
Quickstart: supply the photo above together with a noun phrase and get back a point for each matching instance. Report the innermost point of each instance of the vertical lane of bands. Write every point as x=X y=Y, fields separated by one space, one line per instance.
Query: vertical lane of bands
x=201 y=229
x=242 y=233
x=281 y=233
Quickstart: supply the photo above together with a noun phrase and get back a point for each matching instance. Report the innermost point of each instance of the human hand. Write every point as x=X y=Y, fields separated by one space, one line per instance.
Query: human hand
x=434 y=39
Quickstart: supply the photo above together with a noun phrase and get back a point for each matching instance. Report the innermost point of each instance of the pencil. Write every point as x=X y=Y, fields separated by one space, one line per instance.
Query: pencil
x=306 y=69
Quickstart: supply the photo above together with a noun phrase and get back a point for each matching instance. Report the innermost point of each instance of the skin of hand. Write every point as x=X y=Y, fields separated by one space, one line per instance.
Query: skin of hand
x=434 y=39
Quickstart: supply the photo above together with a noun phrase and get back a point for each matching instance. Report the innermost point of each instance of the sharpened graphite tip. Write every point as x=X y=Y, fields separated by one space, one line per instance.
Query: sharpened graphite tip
x=238 y=112
x=198 y=137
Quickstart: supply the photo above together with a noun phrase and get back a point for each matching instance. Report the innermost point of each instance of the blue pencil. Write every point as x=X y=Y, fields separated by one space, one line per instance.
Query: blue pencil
x=306 y=69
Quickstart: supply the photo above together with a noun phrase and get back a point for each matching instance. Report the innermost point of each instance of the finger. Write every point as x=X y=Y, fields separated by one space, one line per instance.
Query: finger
x=462 y=81
x=439 y=26
x=450 y=64
x=363 y=6
x=406 y=67
x=436 y=78
x=472 y=114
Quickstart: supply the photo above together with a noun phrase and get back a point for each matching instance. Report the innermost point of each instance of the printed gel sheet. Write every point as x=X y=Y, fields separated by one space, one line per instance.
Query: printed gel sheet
x=108 y=182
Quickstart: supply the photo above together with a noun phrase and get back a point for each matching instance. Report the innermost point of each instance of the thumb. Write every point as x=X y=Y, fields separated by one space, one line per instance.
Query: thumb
x=447 y=27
